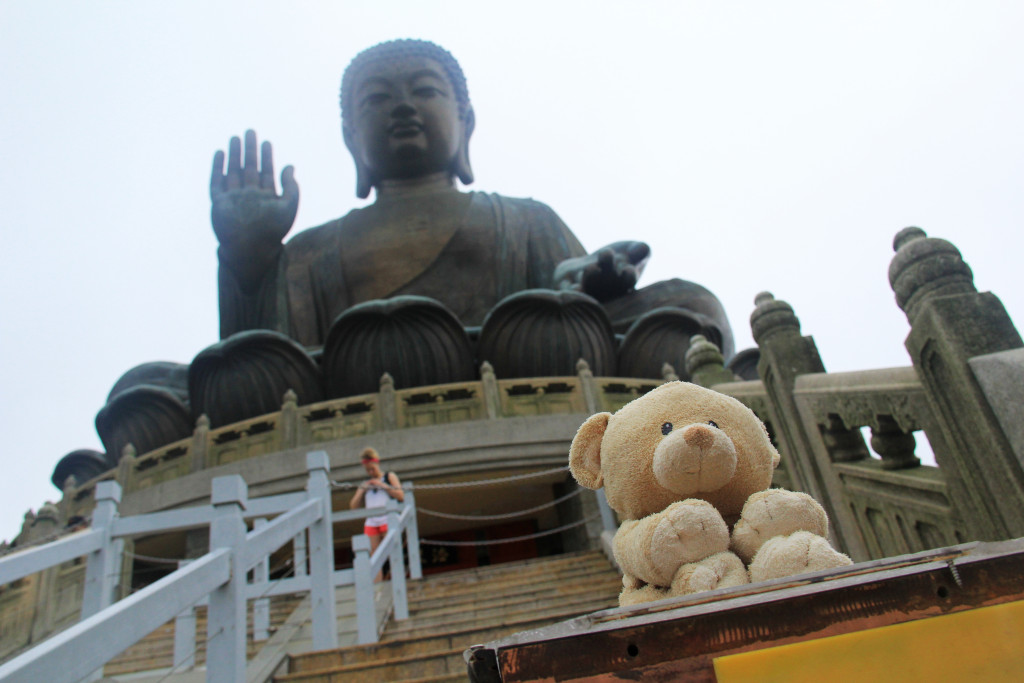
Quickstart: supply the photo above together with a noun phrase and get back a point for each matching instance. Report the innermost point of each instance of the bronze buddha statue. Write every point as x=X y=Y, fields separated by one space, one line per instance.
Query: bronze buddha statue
x=425 y=283
x=407 y=121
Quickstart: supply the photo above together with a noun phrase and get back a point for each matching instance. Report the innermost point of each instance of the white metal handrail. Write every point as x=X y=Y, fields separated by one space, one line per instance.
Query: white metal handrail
x=20 y=564
x=76 y=653
x=218 y=578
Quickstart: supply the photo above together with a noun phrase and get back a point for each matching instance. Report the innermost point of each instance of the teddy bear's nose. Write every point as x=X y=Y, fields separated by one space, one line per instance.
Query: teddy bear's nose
x=699 y=436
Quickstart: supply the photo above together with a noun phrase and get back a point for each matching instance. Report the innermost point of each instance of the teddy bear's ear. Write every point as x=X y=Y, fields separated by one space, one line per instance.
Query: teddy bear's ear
x=585 y=452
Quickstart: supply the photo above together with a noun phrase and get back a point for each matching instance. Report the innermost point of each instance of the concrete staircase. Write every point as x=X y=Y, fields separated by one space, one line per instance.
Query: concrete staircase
x=156 y=650
x=450 y=612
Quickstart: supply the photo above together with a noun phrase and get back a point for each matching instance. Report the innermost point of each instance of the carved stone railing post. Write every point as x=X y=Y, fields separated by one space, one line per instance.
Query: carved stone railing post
x=388 y=403
x=126 y=467
x=894 y=445
x=668 y=373
x=785 y=355
x=67 y=502
x=847 y=445
x=289 y=421
x=591 y=393
x=492 y=395
x=705 y=363
x=951 y=322
x=200 y=443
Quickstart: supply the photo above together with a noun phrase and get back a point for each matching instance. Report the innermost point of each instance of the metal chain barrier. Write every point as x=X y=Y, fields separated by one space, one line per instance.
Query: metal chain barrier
x=157 y=560
x=474 y=518
x=507 y=515
x=488 y=482
x=515 y=539
x=464 y=484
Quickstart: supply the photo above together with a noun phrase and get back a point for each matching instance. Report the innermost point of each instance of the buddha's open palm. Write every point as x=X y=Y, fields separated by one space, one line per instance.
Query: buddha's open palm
x=246 y=207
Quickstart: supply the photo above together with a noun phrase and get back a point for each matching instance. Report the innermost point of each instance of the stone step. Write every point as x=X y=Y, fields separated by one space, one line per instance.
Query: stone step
x=499 y=592
x=573 y=609
x=470 y=591
x=459 y=579
x=436 y=657
x=425 y=641
x=156 y=650
x=451 y=612
x=438 y=663
x=521 y=604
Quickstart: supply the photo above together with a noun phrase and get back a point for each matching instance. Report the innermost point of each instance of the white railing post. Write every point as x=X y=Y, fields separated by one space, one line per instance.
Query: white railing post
x=412 y=537
x=366 y=614
x=396 y=556
x=225 y=625
x=607 y=515
x=321 y=555
x=103 y=566
x=185 y=635
x=261 y=606
x=299 y=554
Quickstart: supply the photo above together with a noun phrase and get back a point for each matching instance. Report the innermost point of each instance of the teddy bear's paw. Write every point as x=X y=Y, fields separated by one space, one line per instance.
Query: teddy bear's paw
x=689 y=530
x=644 y=593
x=721 y=570
x=775 y=512
x=798 y=553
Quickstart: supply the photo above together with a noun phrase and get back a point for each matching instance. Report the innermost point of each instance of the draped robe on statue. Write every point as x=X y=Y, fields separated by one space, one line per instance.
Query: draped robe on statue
x=466 y=250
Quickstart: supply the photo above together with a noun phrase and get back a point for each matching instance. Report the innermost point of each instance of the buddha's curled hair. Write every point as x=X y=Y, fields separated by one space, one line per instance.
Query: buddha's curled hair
x=401 y=49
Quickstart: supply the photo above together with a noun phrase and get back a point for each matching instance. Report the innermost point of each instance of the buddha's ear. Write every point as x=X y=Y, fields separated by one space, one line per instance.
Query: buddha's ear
x=462 y=168
x=364 y=179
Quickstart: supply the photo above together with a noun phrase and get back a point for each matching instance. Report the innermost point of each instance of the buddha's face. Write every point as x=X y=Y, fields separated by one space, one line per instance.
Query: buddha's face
x=406 y=122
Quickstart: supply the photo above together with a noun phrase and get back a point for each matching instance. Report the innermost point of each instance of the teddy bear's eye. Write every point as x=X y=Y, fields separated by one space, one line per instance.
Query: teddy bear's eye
x=666 y=428
x=712 y=423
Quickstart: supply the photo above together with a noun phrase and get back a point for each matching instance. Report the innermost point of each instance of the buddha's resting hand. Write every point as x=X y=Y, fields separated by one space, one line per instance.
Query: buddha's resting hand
x=249 y=218
x=607 y=273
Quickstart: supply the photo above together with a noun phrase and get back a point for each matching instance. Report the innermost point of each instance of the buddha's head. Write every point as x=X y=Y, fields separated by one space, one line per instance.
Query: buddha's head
x=405 y=114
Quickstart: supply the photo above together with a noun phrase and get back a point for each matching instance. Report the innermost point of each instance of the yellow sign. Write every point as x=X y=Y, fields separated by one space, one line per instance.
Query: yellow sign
x=985 y=644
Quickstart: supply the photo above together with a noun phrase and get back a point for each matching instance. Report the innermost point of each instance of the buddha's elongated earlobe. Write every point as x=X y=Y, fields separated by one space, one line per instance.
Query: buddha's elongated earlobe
x=462 y=168
x=364 y=179
x=363 y=182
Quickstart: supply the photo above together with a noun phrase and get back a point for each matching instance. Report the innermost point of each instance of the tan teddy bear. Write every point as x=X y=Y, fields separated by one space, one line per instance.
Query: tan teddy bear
x=684 y=465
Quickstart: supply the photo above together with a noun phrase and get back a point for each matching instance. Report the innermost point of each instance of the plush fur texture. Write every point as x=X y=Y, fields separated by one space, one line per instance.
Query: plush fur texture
x=688 y=469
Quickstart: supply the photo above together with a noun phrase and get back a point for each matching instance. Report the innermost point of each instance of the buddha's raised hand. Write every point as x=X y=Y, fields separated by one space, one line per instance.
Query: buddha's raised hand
x=247 y=212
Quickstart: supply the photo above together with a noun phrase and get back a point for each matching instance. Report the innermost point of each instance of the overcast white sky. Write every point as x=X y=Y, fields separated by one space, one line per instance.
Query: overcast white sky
x=754 y=145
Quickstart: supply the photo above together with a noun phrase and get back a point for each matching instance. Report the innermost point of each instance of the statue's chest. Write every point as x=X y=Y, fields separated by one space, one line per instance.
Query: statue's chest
x=390 y=247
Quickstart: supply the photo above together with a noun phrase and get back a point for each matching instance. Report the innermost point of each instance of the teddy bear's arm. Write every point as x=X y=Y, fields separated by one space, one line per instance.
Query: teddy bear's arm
x=775 y=512
x=653 y=548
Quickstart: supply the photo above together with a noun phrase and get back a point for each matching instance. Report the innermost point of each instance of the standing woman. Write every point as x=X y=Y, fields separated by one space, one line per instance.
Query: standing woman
x=375 y=492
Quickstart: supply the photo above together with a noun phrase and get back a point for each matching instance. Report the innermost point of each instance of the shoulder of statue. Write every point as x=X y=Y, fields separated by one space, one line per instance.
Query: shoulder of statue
x=315 y=237
x=526 y=203
x=532 y=212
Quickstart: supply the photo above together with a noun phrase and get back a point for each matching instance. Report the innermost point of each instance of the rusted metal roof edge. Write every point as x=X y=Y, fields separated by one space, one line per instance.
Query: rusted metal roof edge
x=482 y=660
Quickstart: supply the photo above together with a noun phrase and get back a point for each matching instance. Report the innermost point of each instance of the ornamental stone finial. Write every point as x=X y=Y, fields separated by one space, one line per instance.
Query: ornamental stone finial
x=925 y=268
x=771 y=316
x=702 y=353
x=705 y=363
x=668 y=373
x=907 y=235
